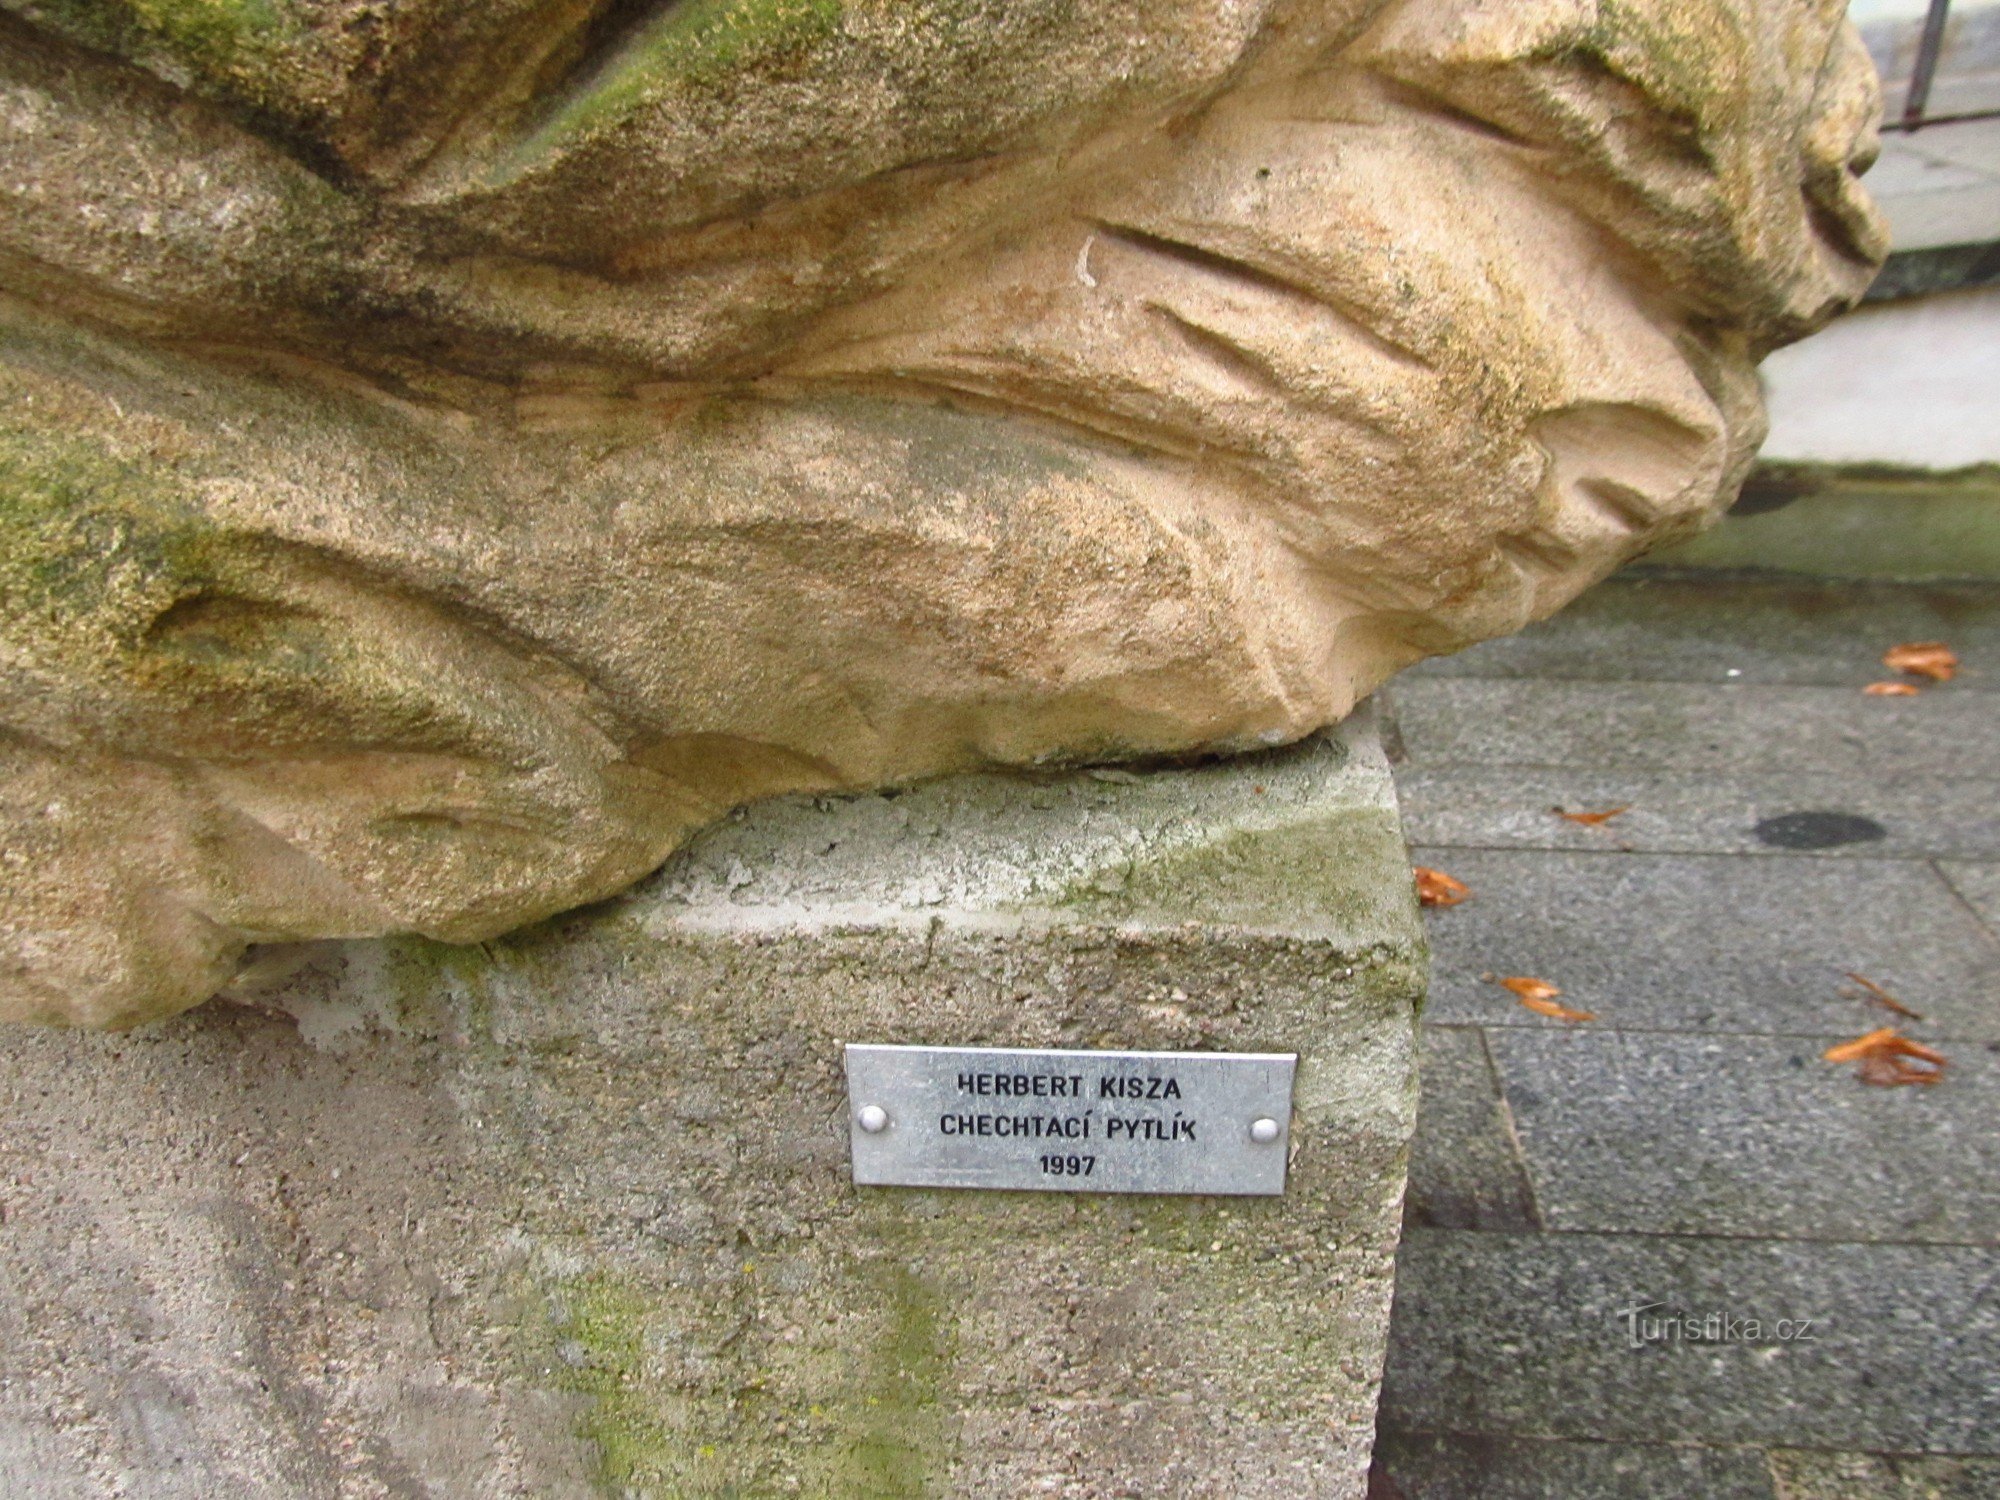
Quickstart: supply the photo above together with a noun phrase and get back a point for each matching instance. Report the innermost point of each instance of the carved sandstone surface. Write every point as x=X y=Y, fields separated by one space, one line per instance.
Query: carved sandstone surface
x=450 y=451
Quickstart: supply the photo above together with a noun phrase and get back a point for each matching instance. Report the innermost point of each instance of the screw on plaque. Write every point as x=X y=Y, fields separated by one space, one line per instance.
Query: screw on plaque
x=872 y=1118
x=1264 y=1131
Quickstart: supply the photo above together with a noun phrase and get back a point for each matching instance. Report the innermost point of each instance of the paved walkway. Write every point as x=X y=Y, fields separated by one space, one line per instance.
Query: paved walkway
x=1689 y=1152
x=1940 y=186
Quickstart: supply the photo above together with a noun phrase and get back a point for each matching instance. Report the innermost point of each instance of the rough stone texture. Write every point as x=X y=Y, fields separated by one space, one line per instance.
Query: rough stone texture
x=1432 y=1466
x=1694 y=812
x=1800 y=632
x=1883 y=1476
x=1458 y=1466
x=1725 y=943
x=569 y=1212
x=1466 y=1167
x=1743 y=760
x=449 y=453
x=1806 y=1154
x=1979 y=886
x=1699 y=727
x=1522 y=1335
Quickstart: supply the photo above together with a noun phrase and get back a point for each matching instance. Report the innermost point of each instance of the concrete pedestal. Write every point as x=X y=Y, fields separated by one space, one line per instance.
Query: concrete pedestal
x=569 y=1214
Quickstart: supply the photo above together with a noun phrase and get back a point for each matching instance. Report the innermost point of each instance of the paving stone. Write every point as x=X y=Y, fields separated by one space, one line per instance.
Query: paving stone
x=1971 y=145
x=1945 y=731
x=1738 y=1172
x=1755 y=1136
x=1521 y=1335
x=1709 y=942
x=1951 y=216
x=1694 y=812
x=1798 y=631
x=1979 y=884
x=1905 y=167
x=1465 y=1172
x=1880 y=1476
x=1436 y=1466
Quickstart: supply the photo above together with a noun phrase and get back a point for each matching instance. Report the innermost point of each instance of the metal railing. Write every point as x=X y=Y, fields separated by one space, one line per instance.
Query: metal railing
x=1929 y=47
x=1916 y=99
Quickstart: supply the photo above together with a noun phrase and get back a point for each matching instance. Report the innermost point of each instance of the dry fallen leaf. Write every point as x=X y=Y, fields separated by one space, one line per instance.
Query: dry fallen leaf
x=1881 y=996
x=1887 y=1059
x=1540 y=997
x=1890 y=690
x=1435 y=888
x=1557 y=1011
x=1932 y=659
x=1592 y=819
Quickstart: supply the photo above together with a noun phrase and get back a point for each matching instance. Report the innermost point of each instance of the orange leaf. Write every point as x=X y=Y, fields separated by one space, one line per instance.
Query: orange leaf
x=1932 y=659
x=1881 y=996
x=1540 y=997
x=1560 y=1012
x=1592 y=819
x=1435 y=888
x=1860 y=1047
x=1888 y=1059
x=1890 y=690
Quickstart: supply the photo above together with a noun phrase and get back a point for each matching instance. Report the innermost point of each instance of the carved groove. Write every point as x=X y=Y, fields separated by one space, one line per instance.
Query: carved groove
x=1618 y=503
x=1402 y=93
x=1535 y=552
x=1236 y=364
x=1211 y=264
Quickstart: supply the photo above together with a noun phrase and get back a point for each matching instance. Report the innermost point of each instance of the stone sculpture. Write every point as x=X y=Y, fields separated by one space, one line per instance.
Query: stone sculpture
x=449 y=452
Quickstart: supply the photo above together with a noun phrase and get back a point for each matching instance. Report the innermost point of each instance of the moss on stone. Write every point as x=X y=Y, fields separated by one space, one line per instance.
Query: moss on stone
x=601 y=1355
x=1776 y=481
x=218 y=43
x=1312 y=877
x=429 y=980
x=877 y=1434
x=699 y=46
x=894 y=1447
x=93 y=546
x=1856 y=521
x=1689 y=57
x=116 y=570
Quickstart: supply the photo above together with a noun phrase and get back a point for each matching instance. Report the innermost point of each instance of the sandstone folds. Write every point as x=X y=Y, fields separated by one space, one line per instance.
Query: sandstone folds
x=449 y=452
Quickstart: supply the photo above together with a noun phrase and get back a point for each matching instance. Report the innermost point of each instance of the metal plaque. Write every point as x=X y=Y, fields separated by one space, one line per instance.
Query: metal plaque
x=1070 y=1122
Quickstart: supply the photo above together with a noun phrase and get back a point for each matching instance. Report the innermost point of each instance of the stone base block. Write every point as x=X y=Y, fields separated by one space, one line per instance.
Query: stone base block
x=569 y=1214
